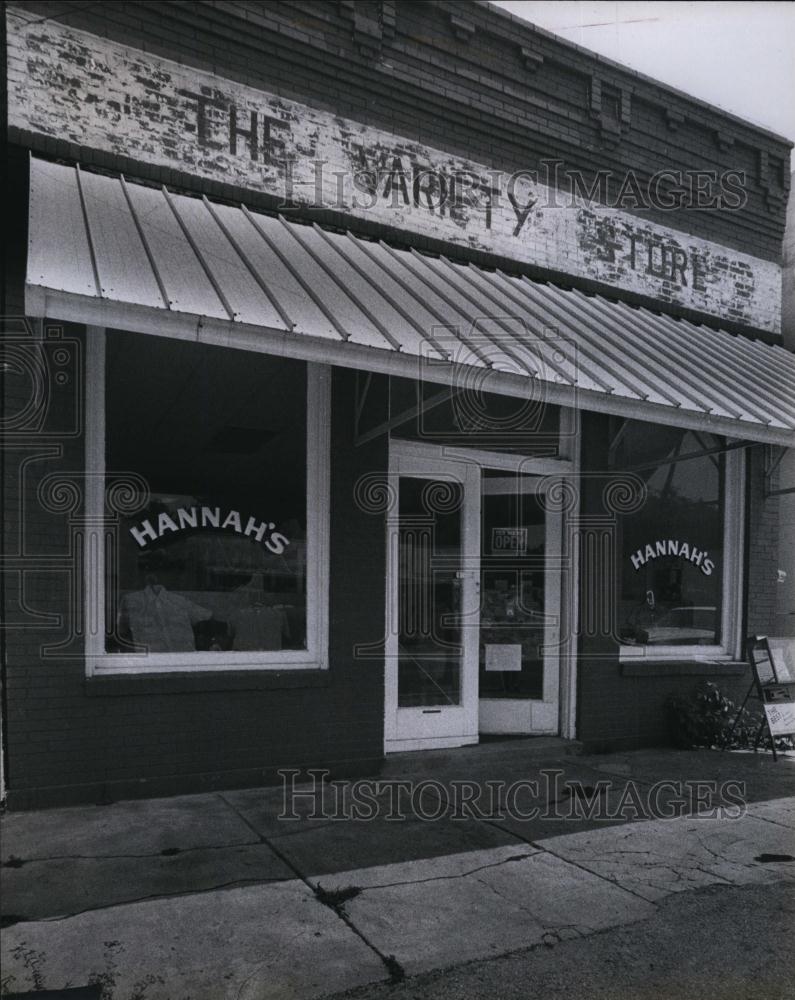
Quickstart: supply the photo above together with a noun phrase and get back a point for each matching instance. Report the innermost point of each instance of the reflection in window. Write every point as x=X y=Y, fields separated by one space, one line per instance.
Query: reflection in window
x=215 y=557
x=512 y=571
x=429 y=564
x=467 y=417
x=670 y=557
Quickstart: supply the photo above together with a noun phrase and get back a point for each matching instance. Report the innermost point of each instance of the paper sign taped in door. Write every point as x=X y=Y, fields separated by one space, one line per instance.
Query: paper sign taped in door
x=503 y=656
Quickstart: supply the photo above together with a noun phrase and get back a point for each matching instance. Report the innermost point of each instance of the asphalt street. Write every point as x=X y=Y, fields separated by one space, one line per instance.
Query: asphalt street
x=719 y=943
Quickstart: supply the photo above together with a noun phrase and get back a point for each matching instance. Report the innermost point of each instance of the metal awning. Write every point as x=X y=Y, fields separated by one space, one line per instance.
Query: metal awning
x=106 y=252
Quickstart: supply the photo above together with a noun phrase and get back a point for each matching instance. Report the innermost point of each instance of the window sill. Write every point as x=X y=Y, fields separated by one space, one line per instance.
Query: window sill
x=116 y=685
x=648 y=667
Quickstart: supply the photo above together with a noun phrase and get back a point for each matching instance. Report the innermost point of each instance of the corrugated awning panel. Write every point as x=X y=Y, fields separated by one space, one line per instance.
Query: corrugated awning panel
x=97 y=238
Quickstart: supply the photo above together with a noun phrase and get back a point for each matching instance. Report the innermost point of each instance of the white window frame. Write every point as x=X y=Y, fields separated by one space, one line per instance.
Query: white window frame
x=731 y=645
x=98 y=661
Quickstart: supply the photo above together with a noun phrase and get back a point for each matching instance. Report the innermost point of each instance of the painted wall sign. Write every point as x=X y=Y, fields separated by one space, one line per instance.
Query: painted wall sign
x=672 y=547
x=173 y=522
x=94 y=92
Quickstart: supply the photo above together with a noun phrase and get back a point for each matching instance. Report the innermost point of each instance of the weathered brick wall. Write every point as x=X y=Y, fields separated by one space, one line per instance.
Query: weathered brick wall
x=763 y=528
x=472 y=83
x=788 y=277
x=785 y=479
x=108 y=97
x=495 y=88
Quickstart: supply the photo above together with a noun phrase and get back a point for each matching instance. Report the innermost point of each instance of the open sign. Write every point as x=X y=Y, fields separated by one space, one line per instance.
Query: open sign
x=510 y=540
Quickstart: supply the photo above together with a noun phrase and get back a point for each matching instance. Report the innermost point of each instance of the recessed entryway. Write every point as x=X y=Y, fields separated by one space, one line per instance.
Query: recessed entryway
x=473 y=598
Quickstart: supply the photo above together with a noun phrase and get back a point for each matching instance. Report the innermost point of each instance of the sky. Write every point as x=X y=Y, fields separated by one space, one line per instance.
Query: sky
x=739 y=56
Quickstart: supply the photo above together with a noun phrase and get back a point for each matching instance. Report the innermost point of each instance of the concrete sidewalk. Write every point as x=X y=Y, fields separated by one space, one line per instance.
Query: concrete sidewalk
x=216 y=896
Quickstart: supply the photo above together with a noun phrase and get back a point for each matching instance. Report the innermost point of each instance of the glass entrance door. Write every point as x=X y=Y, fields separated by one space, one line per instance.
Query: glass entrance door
x=473 y=601
x=520 y=579
x=432 y=621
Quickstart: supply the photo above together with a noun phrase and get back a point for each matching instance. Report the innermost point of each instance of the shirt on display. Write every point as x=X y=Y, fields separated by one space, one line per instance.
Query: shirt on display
x=258 y=627
x=160 y=620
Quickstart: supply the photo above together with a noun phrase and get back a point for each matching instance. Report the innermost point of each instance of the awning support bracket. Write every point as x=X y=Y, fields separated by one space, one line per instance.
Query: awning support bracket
x=771 y=465
x=690 y=455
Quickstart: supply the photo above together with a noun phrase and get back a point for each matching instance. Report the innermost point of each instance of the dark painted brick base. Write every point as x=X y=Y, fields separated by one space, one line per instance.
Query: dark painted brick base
x=104 y=793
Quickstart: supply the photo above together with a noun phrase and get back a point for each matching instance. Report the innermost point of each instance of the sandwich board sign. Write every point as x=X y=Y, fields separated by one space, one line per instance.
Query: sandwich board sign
x=774 y=675
x=780 y=717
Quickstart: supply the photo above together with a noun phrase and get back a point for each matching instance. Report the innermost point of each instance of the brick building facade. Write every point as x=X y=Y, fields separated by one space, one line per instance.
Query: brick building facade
x=474 y=183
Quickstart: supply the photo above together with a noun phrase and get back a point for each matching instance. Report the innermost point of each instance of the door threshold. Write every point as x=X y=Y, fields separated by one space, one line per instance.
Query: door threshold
x=428 y=743
x=520 y=746
x=515 y=737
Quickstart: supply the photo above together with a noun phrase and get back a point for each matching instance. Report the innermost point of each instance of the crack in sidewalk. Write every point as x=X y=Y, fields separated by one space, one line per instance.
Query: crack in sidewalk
x=395 y=971
x=768 y=819
x=540 y=848
x=589 y=871
x=437 y=878
x=12 y=861
x=152 y=897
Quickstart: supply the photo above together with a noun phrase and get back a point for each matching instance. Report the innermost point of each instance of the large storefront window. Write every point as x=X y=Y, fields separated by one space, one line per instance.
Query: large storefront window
x=673 y=562
x=212 y=564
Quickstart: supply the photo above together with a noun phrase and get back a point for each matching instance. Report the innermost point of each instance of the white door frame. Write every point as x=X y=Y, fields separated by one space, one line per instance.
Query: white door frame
x=422 y=459
x=433 y=726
